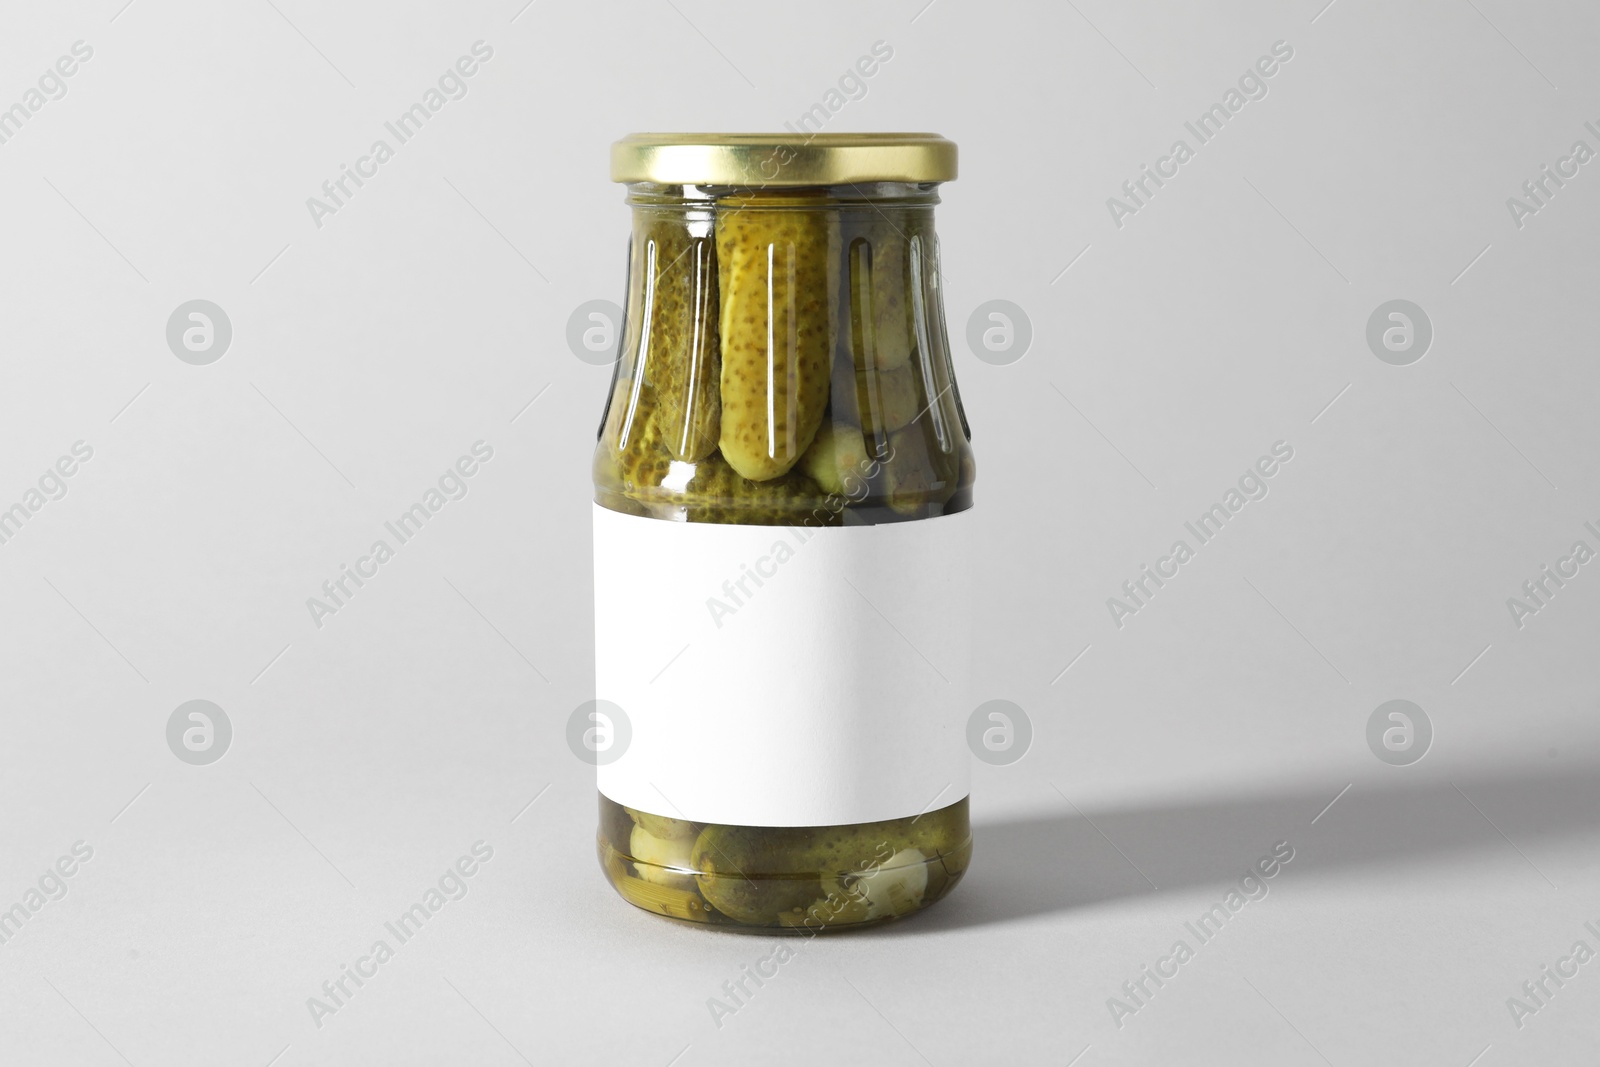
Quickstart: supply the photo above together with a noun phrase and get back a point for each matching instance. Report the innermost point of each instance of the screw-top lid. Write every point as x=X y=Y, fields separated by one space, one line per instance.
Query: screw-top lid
x=782 y=159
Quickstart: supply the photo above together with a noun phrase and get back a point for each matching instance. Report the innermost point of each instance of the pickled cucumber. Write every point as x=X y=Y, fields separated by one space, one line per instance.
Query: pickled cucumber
x=679 y=350
x=776 y=328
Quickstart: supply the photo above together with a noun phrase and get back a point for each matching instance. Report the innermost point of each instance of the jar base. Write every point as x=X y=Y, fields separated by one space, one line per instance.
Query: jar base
x=766 y=879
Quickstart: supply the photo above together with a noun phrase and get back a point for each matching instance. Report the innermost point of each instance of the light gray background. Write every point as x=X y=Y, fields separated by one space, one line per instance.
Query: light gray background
x=368 y=354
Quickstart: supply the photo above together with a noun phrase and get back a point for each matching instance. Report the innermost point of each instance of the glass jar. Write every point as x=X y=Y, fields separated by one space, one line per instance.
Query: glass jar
x=780 y=546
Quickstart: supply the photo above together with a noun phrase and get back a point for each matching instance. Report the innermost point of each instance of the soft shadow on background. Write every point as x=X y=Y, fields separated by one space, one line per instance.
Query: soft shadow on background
x=1054 y=863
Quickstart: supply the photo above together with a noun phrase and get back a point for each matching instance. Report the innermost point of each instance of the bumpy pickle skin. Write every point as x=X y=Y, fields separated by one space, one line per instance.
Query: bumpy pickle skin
x=679 y=348
x=718 y=493
x=630 y=472
x=633 y=451
x=774 y=266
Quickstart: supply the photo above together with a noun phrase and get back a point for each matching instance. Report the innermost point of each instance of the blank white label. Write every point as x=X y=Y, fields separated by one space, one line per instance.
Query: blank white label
x=785 y=676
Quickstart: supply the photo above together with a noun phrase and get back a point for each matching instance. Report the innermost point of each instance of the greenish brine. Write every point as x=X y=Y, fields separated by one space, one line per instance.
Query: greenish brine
x=784 y=364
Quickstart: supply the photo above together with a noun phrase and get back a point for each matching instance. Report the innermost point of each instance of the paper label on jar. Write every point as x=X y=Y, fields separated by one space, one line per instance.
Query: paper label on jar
x=784 y=676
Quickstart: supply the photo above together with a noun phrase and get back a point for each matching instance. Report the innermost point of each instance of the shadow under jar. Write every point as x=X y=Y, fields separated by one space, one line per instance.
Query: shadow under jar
x=781 y=555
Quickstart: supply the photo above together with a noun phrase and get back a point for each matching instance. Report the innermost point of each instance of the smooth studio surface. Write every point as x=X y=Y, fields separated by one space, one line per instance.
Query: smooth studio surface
x=302 y=378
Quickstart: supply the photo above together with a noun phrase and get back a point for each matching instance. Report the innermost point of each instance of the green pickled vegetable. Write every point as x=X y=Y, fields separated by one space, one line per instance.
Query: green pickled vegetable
x=679 y=348
x=776 y=331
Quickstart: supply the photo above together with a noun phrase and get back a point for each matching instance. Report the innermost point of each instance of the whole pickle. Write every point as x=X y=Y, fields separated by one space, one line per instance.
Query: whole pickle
x=773 y=264
x=679 y=351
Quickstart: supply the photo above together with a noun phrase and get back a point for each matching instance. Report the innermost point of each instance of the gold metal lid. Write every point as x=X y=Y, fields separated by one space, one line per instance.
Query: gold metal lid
x=782 y=159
